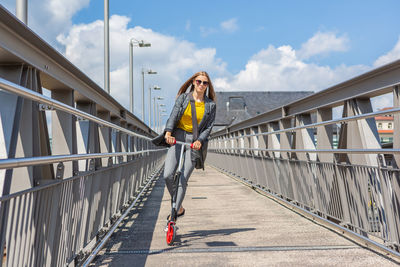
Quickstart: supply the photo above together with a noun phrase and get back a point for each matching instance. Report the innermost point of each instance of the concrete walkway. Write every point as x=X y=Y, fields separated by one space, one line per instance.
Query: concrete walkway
x=227 y=224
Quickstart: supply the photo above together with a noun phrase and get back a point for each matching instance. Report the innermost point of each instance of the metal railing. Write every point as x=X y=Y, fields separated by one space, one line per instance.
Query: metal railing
x=62 y=188
x=60 y=220
x=289 y=154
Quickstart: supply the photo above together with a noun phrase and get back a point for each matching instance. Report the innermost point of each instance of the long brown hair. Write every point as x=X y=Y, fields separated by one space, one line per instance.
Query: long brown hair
x=189 y=82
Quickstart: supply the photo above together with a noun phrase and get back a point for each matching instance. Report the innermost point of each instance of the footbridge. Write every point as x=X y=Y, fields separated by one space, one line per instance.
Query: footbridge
x=309 y=183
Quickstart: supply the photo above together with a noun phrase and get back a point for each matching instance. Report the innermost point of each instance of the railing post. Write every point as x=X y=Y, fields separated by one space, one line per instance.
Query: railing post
x=235 y=153
x=87 y=135
x=395 y=181
x=116 y=139
x=124 y=141
x=242 y=153
x=252 y=142
x=396 y=122
x=224 y=154
x=105 y=138
x=286 y=142
x=324 y=134
x=273 y=141
x=247 y=156
x=304 y=138
x=262 y=171
x=286 y=139
x=64 y=131
x=129 y=144
x=304 y=179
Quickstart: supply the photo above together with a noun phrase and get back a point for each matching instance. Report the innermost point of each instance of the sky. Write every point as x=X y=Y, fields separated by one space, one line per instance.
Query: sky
x=259 y=45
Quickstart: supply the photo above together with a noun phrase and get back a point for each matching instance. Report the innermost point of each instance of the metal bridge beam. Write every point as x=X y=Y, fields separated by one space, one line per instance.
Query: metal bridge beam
x=359 y=134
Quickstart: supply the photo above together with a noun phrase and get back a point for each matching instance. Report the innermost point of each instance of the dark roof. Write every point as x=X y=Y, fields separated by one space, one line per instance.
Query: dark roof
x=233 y=107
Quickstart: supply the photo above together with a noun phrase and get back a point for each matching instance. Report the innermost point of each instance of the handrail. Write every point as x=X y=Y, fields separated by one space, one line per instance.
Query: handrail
x=338 y=151
x=56 y=182
x=24 y=92
x=317 y=124
x=24 y=162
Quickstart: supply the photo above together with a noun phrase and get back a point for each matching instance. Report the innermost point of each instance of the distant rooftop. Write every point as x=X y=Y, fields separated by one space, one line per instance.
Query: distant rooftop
x=233 y=107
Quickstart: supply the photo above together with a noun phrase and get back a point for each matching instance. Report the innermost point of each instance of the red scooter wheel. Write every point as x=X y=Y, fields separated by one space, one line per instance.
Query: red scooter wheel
x=171 y=233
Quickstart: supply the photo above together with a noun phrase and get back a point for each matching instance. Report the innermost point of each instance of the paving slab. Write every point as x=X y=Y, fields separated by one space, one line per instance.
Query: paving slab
x=227 y=224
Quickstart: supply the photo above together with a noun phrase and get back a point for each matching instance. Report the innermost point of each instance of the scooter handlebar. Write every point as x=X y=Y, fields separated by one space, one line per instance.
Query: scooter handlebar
x=183 y=143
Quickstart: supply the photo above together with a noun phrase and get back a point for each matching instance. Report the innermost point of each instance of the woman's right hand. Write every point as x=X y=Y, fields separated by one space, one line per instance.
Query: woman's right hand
x=169 y=139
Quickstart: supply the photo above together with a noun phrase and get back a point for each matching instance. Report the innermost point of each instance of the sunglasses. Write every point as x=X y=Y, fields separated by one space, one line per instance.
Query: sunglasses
x=198 y=82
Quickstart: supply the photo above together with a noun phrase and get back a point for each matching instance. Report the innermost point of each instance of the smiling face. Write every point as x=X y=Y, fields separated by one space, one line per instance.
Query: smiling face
x=200 y=84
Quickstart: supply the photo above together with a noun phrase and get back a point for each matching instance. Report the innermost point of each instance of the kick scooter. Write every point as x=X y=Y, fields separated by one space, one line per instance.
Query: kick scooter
x=171 y=232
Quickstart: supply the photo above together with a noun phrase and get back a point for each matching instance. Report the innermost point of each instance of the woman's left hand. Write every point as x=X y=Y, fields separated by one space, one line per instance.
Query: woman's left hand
x=197 y=145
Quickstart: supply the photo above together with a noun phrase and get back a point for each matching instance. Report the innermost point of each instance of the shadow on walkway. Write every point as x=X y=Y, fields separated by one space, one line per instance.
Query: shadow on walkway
x=134 y=236
x=136 y=230
x=202 y=234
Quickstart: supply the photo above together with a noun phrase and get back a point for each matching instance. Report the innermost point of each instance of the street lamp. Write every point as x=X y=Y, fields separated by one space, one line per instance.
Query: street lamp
x=133 y=42
x=21 y=8
x=155 y=87
x=158 y=116
x=161 y=115
x=106 y=47
x=149 y=71
x=159 y=112
x=154 y=108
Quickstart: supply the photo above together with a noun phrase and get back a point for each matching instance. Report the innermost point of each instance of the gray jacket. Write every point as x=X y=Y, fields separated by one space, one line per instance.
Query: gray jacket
x=206 y=123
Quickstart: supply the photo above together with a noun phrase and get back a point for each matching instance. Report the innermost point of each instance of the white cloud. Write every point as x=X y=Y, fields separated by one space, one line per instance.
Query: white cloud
x=49 y=18
x=323 y=43
x=392 y=55
x=230 y=25
x=273 y=68
x=280 y=69
x=188 y=25
x=206 y=31
x=174 y=60
x=63 y=10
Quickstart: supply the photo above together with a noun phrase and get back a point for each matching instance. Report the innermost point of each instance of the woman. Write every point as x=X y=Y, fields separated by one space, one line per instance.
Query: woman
x=180 y=126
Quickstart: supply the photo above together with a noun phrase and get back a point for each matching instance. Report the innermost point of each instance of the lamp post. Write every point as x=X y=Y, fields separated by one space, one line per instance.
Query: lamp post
x=162 y=110
x=133 y=42
x=161 y=115
x=158 y=116
x=21 y=8
x=106 y=47
x=149 y=71
x=154 y=109
x=155 y=87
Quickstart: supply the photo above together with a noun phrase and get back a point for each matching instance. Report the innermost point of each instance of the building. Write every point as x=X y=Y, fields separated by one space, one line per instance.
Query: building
x=233 y=107
x=385 y=127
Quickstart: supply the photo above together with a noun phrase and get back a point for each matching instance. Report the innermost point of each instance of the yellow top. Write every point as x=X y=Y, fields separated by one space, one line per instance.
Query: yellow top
x=186 y=121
